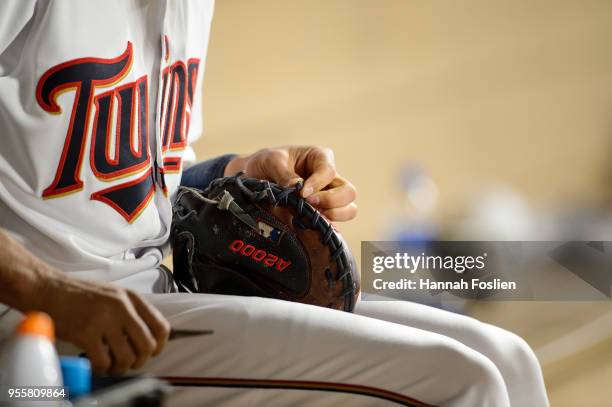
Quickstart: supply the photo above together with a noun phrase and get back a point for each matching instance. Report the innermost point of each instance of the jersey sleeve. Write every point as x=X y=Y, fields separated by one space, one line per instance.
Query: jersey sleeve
x=14 y=15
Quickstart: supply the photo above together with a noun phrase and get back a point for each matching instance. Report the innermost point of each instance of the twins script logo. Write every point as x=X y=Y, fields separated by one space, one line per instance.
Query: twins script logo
x=125 y=151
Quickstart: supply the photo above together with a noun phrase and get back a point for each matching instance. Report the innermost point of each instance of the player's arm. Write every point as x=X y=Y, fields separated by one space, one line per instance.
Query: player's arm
x=324 y=188
x=116 y=328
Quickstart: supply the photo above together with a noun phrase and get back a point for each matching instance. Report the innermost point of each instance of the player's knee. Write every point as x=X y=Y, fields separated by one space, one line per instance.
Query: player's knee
x=472 y=366
x=484 y=372
x=476 y=377
x=487 y=384
x=517 y=354
x=506 y=349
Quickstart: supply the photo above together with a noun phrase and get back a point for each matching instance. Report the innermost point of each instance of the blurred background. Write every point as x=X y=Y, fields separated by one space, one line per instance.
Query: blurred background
x=471 y=119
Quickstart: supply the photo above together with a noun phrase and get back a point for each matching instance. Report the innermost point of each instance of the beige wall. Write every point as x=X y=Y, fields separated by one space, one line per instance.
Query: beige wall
x=519 y=91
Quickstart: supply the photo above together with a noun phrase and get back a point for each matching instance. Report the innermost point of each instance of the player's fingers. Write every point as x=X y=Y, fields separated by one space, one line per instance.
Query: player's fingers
x=142 y=341
x=122 y=353
x=157 y=323
x=321 y=169
x=98 y=354
x=338 y=196
x=345 y=213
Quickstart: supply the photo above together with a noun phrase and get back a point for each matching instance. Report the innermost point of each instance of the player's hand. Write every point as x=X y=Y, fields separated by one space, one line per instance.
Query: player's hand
x=117 y=329
x=323 y=187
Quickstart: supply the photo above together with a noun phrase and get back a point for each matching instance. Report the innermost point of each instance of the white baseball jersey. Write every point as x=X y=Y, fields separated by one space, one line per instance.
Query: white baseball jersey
x=98 y=100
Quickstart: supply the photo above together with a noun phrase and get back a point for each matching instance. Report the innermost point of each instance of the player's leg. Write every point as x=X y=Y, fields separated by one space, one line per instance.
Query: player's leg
x=511 y=354
x=261 y=341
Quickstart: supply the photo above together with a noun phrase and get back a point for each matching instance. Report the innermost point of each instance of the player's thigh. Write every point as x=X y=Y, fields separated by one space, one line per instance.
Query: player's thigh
x=488 y=339
x=511 y=354
x=273 y=339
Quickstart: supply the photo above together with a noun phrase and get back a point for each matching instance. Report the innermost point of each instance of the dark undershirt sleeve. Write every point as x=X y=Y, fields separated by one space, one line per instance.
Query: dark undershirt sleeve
x=201 y=174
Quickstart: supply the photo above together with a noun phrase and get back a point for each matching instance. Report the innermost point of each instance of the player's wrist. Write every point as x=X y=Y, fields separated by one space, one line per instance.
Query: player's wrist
x=44 y=280
x=235 y=165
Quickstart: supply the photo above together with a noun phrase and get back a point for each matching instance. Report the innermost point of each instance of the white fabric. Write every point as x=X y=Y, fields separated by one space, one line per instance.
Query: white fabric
x=74 y=232
x=425 y=353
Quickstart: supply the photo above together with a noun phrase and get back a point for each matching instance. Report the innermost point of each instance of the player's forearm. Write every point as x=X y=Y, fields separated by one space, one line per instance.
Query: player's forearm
x=22 y=275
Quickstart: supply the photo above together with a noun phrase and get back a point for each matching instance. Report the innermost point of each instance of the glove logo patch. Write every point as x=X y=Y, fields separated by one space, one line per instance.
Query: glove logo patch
x=269 y=231
x=258 y=255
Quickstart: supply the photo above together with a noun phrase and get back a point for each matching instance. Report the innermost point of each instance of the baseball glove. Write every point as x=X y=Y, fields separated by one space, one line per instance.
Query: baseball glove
x=246 y=236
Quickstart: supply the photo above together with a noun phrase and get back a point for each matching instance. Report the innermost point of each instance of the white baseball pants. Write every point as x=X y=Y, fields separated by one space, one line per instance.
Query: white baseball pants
x=268 y=352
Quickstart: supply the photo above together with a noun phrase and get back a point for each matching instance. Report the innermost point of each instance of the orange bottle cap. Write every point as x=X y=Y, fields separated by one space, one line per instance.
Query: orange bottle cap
x=37 y=323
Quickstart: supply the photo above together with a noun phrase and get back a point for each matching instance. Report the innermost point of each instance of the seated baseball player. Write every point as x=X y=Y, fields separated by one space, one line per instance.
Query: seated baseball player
x=99 y=101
